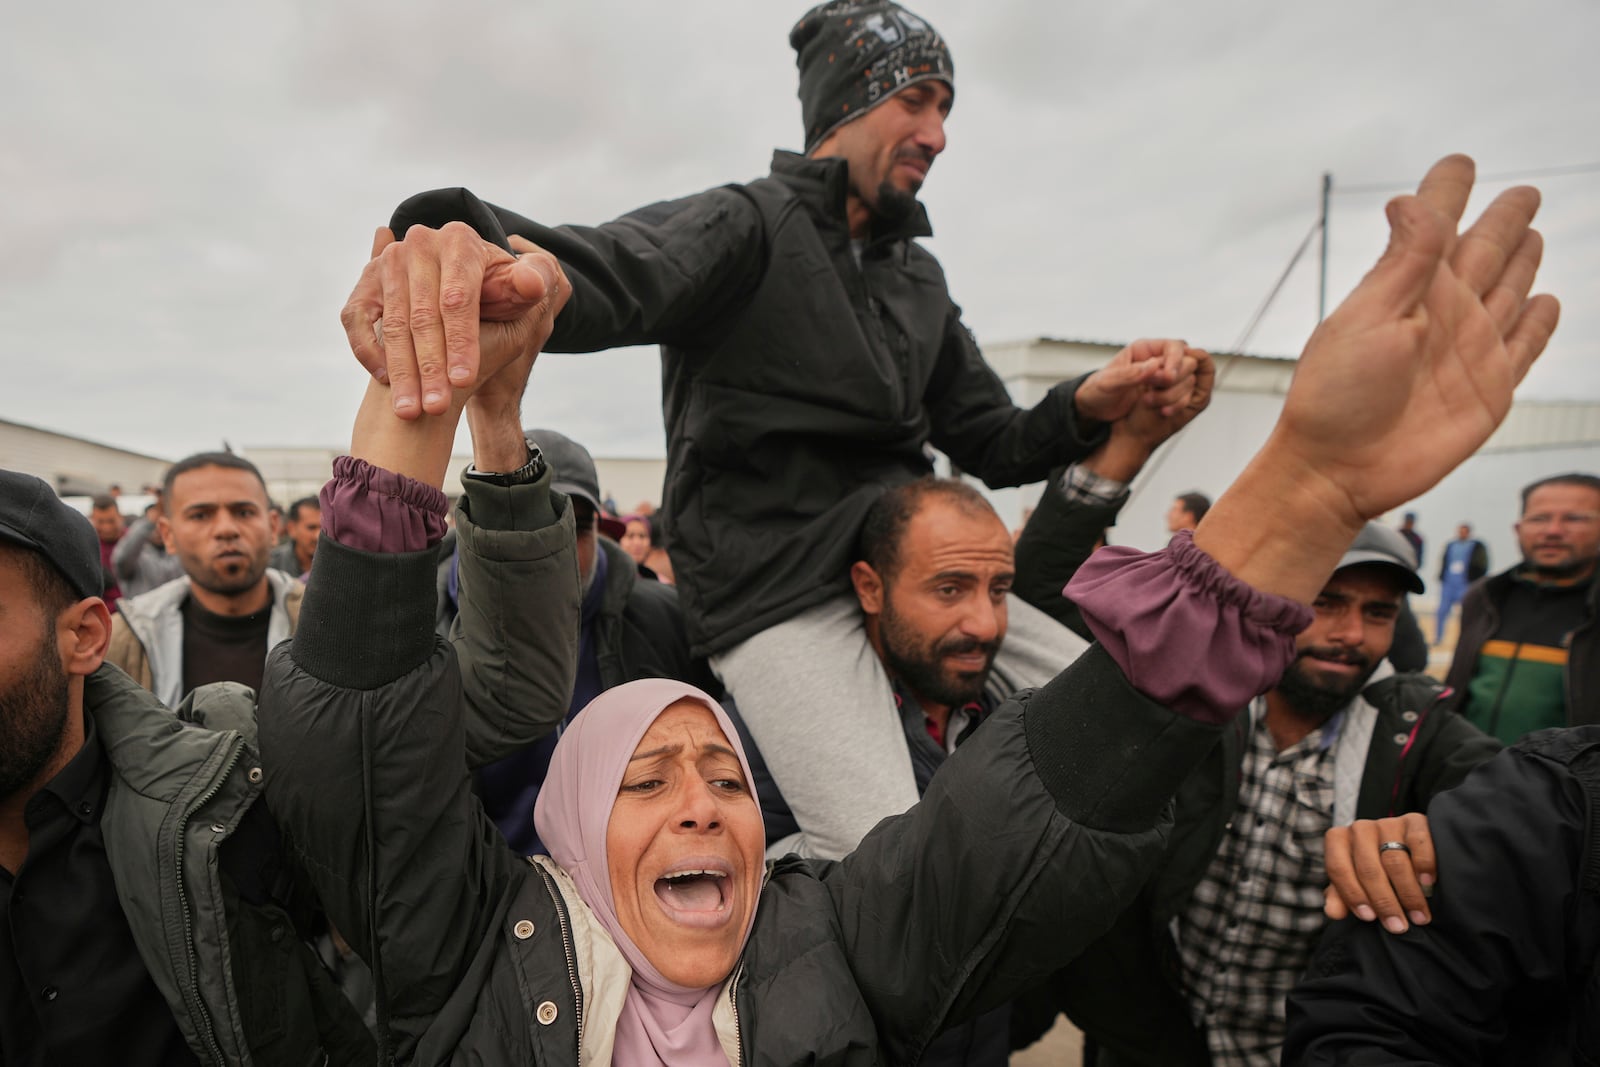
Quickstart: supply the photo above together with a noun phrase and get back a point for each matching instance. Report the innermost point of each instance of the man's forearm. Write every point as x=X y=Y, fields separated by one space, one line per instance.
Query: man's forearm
x=498 y=444
x=1120 y=459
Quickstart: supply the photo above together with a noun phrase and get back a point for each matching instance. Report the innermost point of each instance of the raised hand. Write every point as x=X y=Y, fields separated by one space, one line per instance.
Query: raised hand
x=1416 y=368
x=1154 y=418
x=392 y=429
x=444 y=310
x=1164 y=412
x=1158 y=374
x=1407 y=378
x=494 y=413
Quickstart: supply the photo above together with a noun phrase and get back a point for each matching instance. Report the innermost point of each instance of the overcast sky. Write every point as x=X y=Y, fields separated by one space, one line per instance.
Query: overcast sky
x=190 y=190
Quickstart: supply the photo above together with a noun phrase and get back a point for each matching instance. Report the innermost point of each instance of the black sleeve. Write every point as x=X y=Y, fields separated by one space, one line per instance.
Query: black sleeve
x=1026 y=846
x=1059 y=536
x=1510 y=842
x=1455 y=748
x=975 y=423
x=648 y=277
x=364 y=749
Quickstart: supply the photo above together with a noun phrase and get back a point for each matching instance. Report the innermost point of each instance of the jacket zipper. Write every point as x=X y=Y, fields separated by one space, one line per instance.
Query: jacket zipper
x=197 y=1008
x=733 y=996
x=566 y=947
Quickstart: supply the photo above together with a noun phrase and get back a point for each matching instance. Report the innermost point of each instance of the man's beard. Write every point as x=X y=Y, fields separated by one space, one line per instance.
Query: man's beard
x=33 y=716
x=212 y=578
x=924 y=671
x=894 y=204
x=1318 y=699
x=1557 y=572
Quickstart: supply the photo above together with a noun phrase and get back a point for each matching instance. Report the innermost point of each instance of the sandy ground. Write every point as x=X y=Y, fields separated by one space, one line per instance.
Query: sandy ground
x=1061 y=1047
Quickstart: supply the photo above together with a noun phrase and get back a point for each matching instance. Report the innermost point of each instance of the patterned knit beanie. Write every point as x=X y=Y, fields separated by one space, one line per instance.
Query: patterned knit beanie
x=855 y=54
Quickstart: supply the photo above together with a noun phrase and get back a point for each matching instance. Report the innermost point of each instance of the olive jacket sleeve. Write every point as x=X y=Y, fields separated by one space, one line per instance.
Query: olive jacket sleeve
x=516 y=681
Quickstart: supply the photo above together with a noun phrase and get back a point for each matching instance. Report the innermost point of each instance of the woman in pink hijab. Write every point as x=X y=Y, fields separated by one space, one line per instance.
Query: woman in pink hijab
x=648 y=809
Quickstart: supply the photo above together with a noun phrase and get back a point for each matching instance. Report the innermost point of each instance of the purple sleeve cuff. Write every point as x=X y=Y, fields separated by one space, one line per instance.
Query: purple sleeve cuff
x=1186 y=633
x=375 y=510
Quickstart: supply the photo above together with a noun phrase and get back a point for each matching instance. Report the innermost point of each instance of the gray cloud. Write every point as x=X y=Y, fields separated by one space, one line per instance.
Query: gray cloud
x=191 y=191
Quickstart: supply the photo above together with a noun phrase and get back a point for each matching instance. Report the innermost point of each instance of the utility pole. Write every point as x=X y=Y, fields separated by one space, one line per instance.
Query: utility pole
x=1322 y=276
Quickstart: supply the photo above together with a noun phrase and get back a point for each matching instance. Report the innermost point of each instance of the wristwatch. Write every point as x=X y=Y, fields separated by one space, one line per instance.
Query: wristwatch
x=526 y=474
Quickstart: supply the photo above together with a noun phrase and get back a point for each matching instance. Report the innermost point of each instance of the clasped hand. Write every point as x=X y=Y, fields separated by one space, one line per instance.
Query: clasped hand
x=439 y=315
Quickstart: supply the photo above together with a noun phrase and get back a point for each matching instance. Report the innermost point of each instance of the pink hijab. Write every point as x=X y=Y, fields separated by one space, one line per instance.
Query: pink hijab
x=662 y=1022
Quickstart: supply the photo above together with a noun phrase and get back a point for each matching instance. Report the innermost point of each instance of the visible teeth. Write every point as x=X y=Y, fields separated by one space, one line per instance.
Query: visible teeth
x=674 y=876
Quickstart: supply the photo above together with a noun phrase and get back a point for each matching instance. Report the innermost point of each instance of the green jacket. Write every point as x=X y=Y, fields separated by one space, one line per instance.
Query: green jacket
x=241 y=982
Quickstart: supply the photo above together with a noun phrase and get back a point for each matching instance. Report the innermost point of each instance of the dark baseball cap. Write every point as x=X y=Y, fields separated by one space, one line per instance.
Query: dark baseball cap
x=31 y=515
x=572 y=472
x=1379 y=544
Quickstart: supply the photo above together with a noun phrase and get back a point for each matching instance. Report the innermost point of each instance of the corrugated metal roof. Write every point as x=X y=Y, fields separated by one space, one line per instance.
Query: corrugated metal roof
x=1546 y=424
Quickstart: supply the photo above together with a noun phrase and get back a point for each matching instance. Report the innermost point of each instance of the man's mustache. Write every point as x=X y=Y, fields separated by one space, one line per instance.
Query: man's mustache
x=960 y=646
x=1336 y=655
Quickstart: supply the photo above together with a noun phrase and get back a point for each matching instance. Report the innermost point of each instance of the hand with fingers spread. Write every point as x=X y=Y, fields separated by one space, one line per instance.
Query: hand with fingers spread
x=1407 y=378
x=1156 y=374
x=445 y=310
x=1416 y=368
x=1381 y=869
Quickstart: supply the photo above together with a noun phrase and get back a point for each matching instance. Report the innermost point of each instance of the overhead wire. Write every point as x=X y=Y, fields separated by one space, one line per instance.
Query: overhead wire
x=1231 y=359
x=1563 y=171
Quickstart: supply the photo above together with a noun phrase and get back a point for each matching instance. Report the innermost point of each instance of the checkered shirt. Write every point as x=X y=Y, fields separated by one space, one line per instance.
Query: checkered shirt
x=1249 y=929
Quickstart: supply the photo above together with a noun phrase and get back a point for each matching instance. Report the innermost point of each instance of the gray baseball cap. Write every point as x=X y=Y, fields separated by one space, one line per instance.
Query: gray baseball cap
x=1380 y=544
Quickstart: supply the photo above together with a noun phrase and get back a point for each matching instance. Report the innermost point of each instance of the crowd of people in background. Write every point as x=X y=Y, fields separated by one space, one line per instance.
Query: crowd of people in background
x=817 y=762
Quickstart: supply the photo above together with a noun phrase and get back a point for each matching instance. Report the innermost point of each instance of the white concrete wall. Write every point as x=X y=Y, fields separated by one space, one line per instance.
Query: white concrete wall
x=74 y=465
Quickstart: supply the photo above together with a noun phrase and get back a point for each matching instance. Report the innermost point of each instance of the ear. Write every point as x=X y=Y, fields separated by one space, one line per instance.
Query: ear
x=869 y=587
x=164 y=528
x=83 y=632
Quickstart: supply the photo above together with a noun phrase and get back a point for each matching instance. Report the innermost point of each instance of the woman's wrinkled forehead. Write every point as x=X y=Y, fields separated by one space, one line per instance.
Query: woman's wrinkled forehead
x=686 y=721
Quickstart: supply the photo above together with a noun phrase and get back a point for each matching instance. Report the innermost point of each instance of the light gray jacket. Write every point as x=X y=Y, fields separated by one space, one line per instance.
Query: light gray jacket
x=139 y=565
x=147 y=634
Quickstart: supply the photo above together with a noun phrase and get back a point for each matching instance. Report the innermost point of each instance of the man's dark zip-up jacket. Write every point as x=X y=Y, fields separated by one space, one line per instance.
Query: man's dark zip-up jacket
x=797 y=382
